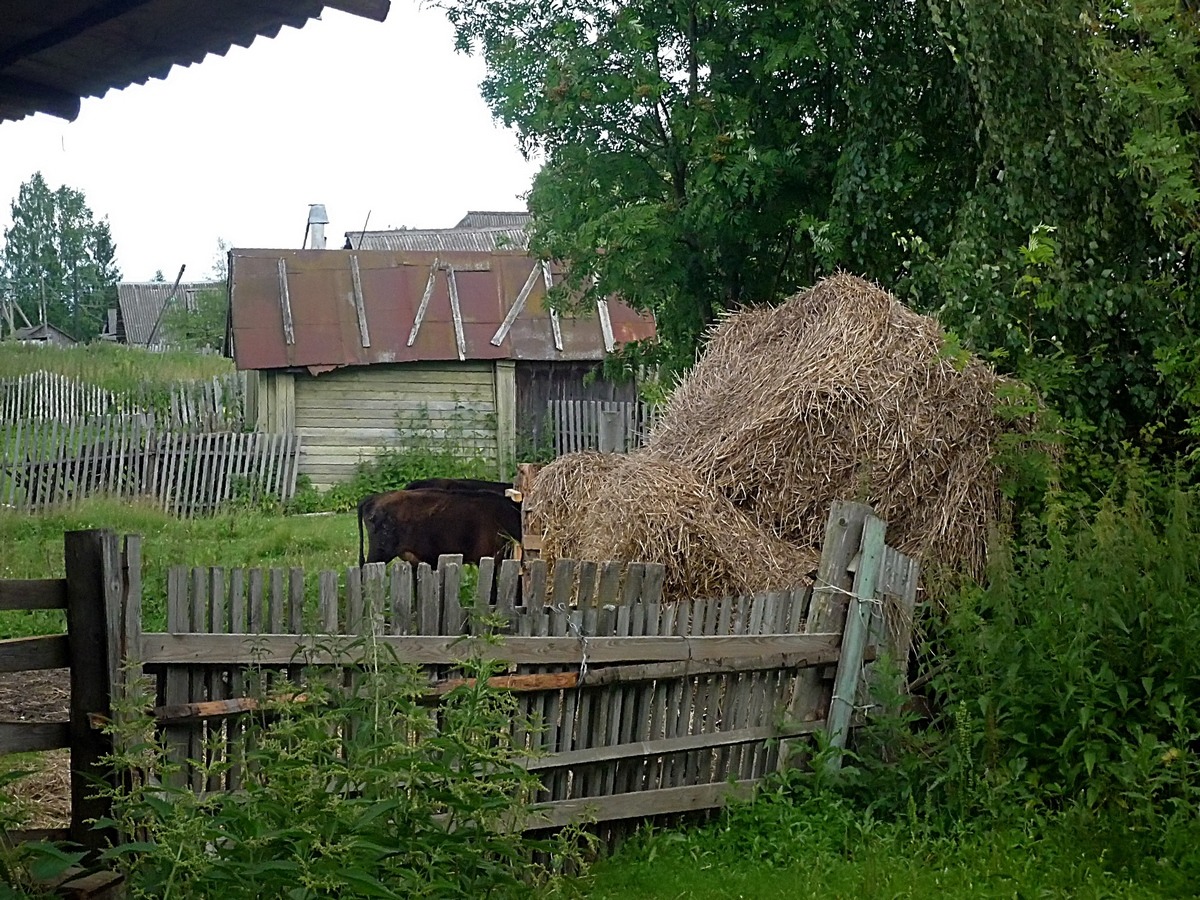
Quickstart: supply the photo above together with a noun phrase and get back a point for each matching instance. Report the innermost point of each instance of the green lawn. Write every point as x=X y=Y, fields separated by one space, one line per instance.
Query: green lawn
x=883 y=861
x=33 y=548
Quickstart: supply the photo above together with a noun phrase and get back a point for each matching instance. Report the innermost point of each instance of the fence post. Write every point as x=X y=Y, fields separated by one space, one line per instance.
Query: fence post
x=95 y=629
x=854 y=637
x=827 y=611
x=612 y=431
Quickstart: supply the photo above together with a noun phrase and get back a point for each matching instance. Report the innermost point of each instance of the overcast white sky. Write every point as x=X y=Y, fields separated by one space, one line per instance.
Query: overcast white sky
x=358 y=115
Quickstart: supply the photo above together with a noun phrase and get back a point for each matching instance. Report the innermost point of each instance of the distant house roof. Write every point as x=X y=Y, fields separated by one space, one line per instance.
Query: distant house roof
x=483 y=240
x=328 y=308
x=52 y=54
x=139 y=304
x=475 y=219
x=45 y=333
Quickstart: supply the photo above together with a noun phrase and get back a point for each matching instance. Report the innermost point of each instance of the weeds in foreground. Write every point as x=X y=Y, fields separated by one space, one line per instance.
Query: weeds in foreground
x=358 y=791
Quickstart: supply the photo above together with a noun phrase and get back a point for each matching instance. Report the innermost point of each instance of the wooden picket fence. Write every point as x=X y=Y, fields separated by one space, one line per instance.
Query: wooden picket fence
x=647 y=708
x=208 y=404
x=48 y=464
x=611 y=426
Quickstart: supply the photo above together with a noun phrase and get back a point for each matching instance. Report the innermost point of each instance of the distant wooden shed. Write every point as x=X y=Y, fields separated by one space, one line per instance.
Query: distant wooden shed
x=355 y=349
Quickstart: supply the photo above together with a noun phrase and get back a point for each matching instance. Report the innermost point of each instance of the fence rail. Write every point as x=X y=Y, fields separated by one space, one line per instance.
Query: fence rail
x=606 y=425
x=208 y=404
x=46 y=464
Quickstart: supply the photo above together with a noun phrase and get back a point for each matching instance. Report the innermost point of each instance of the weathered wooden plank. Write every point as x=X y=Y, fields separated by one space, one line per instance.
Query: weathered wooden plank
x=690 y=742
x=182 y=649
x=29 y=654
x=29 y=737
x=402 y=598
x=93 y=566
x=636 y=805
x=845 y=685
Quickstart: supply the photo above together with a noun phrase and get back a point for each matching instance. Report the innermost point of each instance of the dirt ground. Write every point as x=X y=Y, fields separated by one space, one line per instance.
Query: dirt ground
x=45 y=795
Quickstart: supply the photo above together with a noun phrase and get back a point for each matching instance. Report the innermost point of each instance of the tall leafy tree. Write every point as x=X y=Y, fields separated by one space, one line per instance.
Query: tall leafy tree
x=702 y=155
x=58 y=260
x=1087 y=140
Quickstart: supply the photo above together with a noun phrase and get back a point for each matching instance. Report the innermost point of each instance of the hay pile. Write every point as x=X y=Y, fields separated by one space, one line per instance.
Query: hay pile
x=838 y=393
x=649 y=508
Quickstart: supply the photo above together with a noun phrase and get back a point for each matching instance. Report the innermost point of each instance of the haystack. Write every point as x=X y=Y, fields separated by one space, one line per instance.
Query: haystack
x=843 y=393
x=649 y=508
x=838 y=393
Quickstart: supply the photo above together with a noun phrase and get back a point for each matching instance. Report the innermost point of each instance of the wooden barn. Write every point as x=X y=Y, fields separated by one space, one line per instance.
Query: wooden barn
x=357 y=349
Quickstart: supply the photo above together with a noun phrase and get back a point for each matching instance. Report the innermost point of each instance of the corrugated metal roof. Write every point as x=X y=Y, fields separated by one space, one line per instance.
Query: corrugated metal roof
x=476 y=219
x=330 y=308
x=141 y=302
x=54 y=53
x=482 y=240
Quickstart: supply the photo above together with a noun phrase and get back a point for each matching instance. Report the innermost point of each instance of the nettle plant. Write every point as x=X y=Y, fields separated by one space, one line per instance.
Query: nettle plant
x=349 y=791
x=1076 y=666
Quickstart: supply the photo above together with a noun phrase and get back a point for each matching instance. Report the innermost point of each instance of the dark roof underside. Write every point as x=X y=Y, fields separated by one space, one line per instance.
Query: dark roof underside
x=54 y=53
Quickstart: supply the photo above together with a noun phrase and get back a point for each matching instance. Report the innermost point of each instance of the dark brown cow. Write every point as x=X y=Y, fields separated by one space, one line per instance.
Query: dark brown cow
x=421 y=525
x=459 y=484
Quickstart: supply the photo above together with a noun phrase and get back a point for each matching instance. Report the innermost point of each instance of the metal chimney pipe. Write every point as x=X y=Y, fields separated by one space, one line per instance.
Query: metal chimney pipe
x=317 y=220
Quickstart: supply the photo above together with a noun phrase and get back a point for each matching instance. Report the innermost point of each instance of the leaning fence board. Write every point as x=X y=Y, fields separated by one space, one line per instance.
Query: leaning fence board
x=637 y=805
x=641 y=749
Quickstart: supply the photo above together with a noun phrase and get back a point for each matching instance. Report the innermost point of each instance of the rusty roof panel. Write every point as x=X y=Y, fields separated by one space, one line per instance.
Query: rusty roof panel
x=405 y=309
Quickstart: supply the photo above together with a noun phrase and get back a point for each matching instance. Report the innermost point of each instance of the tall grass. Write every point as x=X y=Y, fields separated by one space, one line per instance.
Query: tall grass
x=114 y=367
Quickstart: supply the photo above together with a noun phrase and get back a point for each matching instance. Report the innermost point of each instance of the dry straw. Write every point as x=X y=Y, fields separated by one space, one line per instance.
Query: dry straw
x=838 y=393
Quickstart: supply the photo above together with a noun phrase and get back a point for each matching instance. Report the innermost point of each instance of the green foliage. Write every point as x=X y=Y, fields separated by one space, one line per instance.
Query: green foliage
x=1074 y=665
x=796 y=842
x=58 y=261
x=202 y=326
x=1029 y=172
x=199 y=327
x=33 y=548
x=1085 y=137
x=423 y=449
x=703 y=156
x=347 y=792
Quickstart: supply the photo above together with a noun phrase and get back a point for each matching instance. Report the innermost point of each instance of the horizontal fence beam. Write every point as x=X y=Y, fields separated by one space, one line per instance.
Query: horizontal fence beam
x=32 y=654
x=638 y=804
x=159 y=648
x=35 y=593
x=29 y=737
x=641 y=749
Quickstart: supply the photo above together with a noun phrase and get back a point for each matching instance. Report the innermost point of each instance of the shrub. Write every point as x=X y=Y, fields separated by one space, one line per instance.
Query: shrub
x=348 y=792
x=1073 y=676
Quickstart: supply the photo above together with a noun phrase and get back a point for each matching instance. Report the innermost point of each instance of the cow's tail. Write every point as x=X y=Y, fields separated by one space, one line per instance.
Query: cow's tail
x=362 y=559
